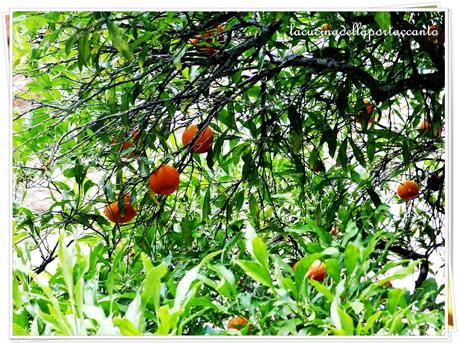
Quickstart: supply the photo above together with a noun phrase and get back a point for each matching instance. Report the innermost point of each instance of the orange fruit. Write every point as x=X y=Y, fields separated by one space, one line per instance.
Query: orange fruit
x=318 y=167
x=127 y=144
x=441 y=38
x=205 y=48
x=208 y=50
x=408 y=190
x=326 y=27
x=131 y=141
x=316 y=271
x=295 y=265
x=164 y=180
x=206 y=40
x=238 y=323
x=113 y=212
x=369 y=108
x=334 y=231
x=203 y=142
x=387 y=284
x=426 y=126
x=430 y=32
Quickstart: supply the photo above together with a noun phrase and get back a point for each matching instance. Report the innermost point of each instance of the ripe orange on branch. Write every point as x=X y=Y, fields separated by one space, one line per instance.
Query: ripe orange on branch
x=164 y=180
x=369 y=109
x=203 y=142
x=133 y=140
x=238 y=323
x=316 y=271
x=326 y=27
x=426 y=126
x=206 y=42
x=115 y=214
x=318 y=167
x=408 y=190
x=334 y=231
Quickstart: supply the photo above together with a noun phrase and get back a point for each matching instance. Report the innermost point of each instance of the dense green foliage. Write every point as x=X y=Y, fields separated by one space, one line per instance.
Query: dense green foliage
x=296 y=152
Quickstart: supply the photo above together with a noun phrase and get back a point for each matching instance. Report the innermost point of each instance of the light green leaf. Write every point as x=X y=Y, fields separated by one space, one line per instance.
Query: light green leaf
x=260 y=251
x=119 y=41
x=165 y=321
x=184 y=285
x=322 y=289
x=383 y=20
x=134 y=313
x=83 y=51
x=367 y=329
x=334 y=314
x=255 y=270
x=396 y=297
x=351 y=257
x=19 y=331
x=347 y=323
x=152 y=285
x=66 y=263
x=126 y=327
x=178 y=58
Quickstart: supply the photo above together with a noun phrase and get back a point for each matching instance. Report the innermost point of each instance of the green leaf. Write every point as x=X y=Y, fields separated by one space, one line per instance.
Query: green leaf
x=206 y=204
x=358 y=153
x=340 y=318
x=253 y=206
x=152 y=286
x=70 y=44
x=80 y=172
x=183 y=287
x=333 y=269
x=256 y=271
x=329 y=136
x=134 y=313
x=126 y=327
x=19 y=331
x=301 y=269
x=260 y=251
x=66 y=263
x=166 y=321
x=322 y=289
x=227 y=276
x=347 y=323
x=369 y=326
x=351 y=257
x=177 y=61
x=342 y=153
x=84 y=51
x=396 y=297
x=119 y=41
x=383 y=20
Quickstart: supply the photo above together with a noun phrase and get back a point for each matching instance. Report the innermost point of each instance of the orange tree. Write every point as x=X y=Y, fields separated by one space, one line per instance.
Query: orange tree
x=295 y=135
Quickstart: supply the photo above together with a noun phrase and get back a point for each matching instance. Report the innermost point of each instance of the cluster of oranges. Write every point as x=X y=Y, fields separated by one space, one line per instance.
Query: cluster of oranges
x=408 y=189
x=209 y=41
x=165 y=179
